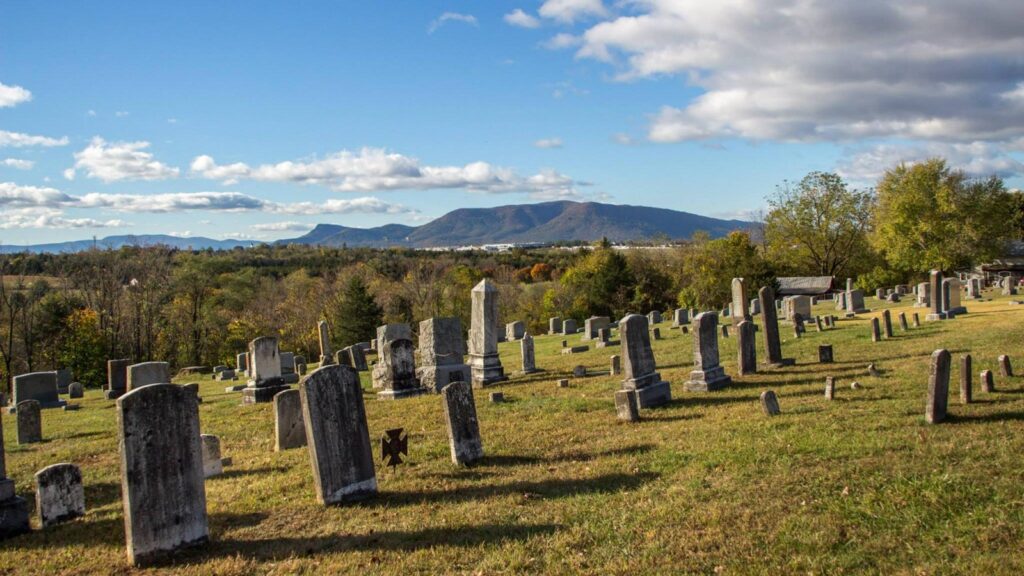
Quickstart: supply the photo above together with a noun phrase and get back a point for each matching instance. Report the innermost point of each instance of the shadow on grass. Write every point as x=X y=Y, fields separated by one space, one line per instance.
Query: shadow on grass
x=81 y=435
x=237 y=473
x=517 y=460
x=996 y=417
x=97 y=495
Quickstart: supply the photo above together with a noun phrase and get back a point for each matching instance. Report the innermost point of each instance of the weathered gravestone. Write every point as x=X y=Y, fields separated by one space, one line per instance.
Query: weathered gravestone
x=395 y=373
x=356 y=357
x=526 y=350
x=1009 y=285
x=772 y=345
x=288 y=374
x=938 y=387
x=917 y=320
x=825 y=354
x=13 y=508
x=988 y=381
x=616 y=365
x=117 y=378
x=265 y=378
x=725 y=331
x=460 y=419
x=38 y=386
x=640 y=369
x=1005 y=368
x=483 y=336
x=390 y=332
x=924 y=297
x=708 y=373
x=30 y=422
x=593 y=325
x=569 y=327
x=855 y=302
x=554 y=325
x=903 y=322
x=59 y=494
x=212 y=463
x=794 y=305
x=746 y=345
x=75 y=390
x=880 y=294
x=654 y=317
x=626 y=408
x=193 y=387
x=338 y=437
x=289 y=429
x=973 y=288
x=324 y=338
x=830 y=388
x=770 y=403
x=64 y=379
x=162 y=486
x=740 y=303
x=680 y=317
x=887 y=323
x=579 y=371
x=441 y=354
x=147 y=373
x=935 y=311
x=514 y=330
x=876 y=335
x=656 y=333
x=966 y=375
x=242 y=363
x=342 y=357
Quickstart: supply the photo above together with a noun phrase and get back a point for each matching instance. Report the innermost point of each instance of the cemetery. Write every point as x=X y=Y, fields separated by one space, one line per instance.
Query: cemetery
x=840 y=449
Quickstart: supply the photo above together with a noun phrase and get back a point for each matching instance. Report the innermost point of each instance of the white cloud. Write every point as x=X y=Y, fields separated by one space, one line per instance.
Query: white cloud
x=173 y=202
x=375 y=169
x=14 y=195
x=519 y=18
x=548 y=143
x=623 y=138
x=11 y=96
x=364 y=205
x=115 y=161
x=561 y=40
x=17 y=163
x=69 y=174
x=451 y=17
x=572 y=10
x=48 y=218
x=121 y=113
x=283 y=227
x=824 y=70
x=20 y=140
x=978 y=159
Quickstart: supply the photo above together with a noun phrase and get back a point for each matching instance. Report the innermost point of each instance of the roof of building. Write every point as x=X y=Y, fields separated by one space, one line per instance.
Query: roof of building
x=806 y=285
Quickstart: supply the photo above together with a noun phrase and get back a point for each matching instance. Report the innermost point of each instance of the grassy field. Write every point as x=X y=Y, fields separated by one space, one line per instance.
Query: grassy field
x=707 y=485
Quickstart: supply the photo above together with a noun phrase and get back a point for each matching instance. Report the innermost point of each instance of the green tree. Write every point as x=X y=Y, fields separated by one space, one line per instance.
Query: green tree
x=818 y=227
x=707 y=268
x=357 y=314
x=600 y=283
x=929 y=216
x=84 y=349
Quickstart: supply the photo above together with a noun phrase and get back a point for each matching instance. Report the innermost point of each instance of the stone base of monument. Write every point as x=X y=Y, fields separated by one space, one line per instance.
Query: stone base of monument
x=113 y=394
x=292 y=378
x=433 y=378
x=653 y=395
x=531 y=371
x=401 y=393
x=43 y=405
x=13 y=511
x=958 y=310
x=607 y=344
x=236 y=388
x=707 y=380
x=939 y=316
x=575 y=350
x=261 y=394
x=486 y=370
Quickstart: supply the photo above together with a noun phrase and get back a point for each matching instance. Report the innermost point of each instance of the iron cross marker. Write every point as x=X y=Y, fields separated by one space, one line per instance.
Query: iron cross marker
x=393 y=446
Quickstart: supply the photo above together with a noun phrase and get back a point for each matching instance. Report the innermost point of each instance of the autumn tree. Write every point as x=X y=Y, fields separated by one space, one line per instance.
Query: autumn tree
x=706 y=268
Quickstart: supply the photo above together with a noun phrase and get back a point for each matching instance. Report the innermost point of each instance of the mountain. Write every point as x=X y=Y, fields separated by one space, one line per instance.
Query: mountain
x=521 y=223
x=115 y=242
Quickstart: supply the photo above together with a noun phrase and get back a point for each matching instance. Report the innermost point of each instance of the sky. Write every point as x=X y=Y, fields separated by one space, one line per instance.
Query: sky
x=258 y=120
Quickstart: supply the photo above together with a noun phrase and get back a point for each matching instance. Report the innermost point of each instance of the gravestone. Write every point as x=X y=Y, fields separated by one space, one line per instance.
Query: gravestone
x=825 y=354
x=554 y=325
x=1005 y=369
x=343 y=357
x=626 y=407
x=563 y=382
x=817 y=324
x=616 y=365
x=988 y=382
x=725 y=331
x=324 y=338
x=840 y=301
x=569 y=327
x=903 y=322
x=526 y=350
x=64 y=379
x=289 y=429
x=924 y=295
x=147 y=373
x=13 y=508
x=893 y=297
x=193 y=387
x=917 y=320
x=441 y=354
x=880 y=294
x=793 y=305
x=746 y=345
x=740 y=303
x=461 y=422
x=579 y=371
x=162 y=486
x=830 y=388
x=1009 y=285
x=855 y=302
x=212 y=463
x=772 y=345
x=654 y=317
x=338 y=437
x=755 y=307
x=288 y=374
x=640 y=369
x=265 y=378
x=887 y=323
x=770 y=403
x=30 y=422
x=680 y=317
x=935 y=311
x=708 y=374
x=242 y=363
x=391 y=332
x=117 y=378
x=594 y=324
x=483 y=336
x=876 y=335
x=497 y=397
x=938 y=387
x=514 y=330
x=656 y=333
x=966 y=374
x=59 y=494
x=357 y=357
x=38 y=386
x=395 y=373
x=973 y=288
x=75 y=390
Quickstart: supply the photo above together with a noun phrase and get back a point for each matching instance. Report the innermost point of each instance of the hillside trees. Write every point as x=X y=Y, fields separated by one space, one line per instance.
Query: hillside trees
x=357 y=314
x=601 y=283
x=706 y=268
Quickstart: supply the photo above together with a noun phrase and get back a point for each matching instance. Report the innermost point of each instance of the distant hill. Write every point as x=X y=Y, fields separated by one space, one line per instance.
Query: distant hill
x=115 y=242
x=544 y=222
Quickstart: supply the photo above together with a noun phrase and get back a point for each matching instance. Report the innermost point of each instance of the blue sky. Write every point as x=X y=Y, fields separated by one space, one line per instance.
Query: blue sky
x=260 y=119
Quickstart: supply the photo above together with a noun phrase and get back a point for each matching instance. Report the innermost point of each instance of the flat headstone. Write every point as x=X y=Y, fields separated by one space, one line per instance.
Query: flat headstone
x=30 y=422
x=337 y=435
x=938 y=387
x=59 y=494
x=575 y=349
x=770 y=403
x=289 y=428
x=162 y=486
x=212 y=465
x=579 y=371
x=626 y=408
x=146 y=373
x=461 y=421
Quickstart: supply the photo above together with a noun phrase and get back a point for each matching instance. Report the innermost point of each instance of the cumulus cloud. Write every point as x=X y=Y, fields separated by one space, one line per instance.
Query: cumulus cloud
x=173 y=202
x=11 y=96
x=978 y=159
x=548 y=143
x=14 y=195
x=114 y=161
x=521 y=19
x=49 y=219
x=21 y=140
x=375 y=169
x=572 y=10
x=17 y=163
x=451 y=17
x=364 y=205
x=825 y=70
x=560 y=41
x=283 y=227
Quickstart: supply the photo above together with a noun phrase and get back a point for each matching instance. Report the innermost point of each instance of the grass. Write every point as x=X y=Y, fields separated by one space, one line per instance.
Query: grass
x=706 y=485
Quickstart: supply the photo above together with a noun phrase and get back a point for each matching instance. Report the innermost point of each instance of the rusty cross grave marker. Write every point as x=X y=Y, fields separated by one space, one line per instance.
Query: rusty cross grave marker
x=393 y=446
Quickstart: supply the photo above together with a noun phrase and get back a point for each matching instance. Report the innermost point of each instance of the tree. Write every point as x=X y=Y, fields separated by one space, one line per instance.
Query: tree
x=817 y=227
x=600 y=283
x=84 y=351
x=931 y=217
x=707 y=267
x=357 y=314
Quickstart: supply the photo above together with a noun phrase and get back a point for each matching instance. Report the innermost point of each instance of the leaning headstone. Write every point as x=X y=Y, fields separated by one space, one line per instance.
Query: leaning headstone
x=818 y=325
x=554 y=325
x=38 y=386
x=162 y=486
x=640 y=369
x=708 y=374
x=289 y=429
x=30 y=422
x=324 y=337
x=212 y=464
x=75 y=390
x=938 y=387
x=395 y=373
x=147 y=373
x=935 y=311
x=117 y=378
x=772 y=345
x=626 y=407
x=887 y=323
x=569 y=326
x=740 y=304
x=966 y=374
x=441 y=354
x=825 y=354
x=338 y=437
x=526 y=350
x=876 y=335
x=461 y=422
x=988 y=382
x=357 y=358
x=917 y=320
x=59 y=494
x=903 y=322
x=725 y=331
x=514 y=330
x=1005 y=369
x=13 y=508
x=746 y=345
x=483 y=336
x=770 y=403
x=830 y=388
x=265 y=378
